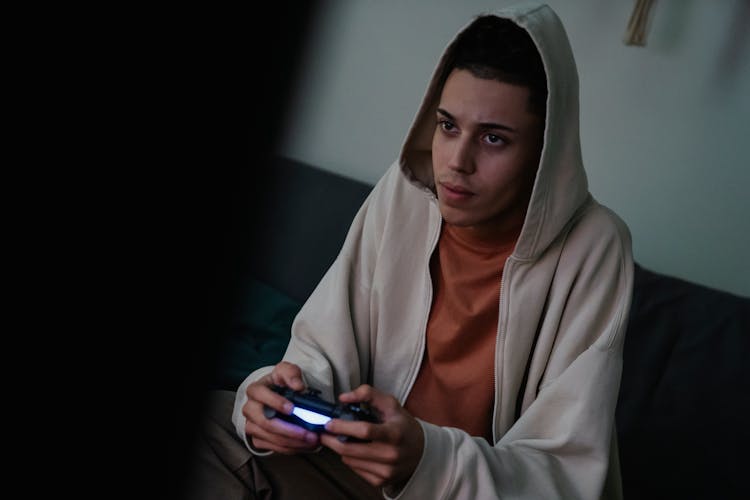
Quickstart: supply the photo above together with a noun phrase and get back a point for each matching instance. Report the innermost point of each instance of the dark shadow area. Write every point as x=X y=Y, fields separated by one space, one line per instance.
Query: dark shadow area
x=302 y=233
x=199 y=98
x=250 y=66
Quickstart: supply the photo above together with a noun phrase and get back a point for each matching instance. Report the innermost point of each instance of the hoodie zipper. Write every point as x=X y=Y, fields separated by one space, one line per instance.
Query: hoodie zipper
x=414 y=369
x=499 y=341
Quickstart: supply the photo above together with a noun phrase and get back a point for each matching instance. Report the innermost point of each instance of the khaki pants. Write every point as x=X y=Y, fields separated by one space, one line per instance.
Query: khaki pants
x=225 y=469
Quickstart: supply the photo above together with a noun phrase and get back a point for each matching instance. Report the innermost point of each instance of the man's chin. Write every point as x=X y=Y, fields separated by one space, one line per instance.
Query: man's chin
x=454 y=219
x=456 y=216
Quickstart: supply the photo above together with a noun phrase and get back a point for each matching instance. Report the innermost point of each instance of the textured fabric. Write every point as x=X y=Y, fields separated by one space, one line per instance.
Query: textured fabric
x=222 y=467
x=563 y=308
x=455 y=385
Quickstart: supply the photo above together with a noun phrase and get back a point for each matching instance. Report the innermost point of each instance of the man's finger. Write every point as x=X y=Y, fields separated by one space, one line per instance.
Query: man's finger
x=381 y=470
x=282 y=434
x=288 y=375
x=281 y=427
x=363 y=394
x=368 y=476
x=364 y=431
x=383 y=403
x=260 y=396
x=376 y=452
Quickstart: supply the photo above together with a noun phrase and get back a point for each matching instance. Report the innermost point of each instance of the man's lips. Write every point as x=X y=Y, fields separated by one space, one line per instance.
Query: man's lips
x=455 y=188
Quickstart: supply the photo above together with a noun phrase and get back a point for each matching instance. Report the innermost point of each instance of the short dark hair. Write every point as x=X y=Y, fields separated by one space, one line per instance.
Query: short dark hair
x=496 y=48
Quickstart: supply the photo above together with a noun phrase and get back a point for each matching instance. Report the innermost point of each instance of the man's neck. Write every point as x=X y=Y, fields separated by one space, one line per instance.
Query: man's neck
x=486 y=236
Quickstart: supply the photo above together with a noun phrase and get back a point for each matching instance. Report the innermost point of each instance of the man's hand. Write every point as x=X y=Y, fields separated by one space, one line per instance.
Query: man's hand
x=395 y=446
x=275 y=434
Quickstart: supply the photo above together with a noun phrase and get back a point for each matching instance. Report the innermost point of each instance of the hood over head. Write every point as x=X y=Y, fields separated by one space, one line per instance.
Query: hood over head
x=560 y=187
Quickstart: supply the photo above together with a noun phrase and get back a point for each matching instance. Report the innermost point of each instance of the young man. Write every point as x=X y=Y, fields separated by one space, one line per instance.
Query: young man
x=478 y=304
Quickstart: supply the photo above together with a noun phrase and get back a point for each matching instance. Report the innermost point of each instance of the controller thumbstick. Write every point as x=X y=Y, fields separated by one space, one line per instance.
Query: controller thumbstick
x=269 y=412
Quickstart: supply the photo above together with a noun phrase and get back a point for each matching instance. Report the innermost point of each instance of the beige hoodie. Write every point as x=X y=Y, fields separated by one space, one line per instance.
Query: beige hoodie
x=564 y=302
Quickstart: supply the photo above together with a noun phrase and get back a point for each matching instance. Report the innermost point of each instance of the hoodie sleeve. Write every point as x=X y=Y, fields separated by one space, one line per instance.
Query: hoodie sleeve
x=560 y=445
x=330 y=337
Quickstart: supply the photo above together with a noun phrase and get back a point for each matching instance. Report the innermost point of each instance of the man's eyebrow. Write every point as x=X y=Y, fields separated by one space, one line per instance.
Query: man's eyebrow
x=483 y=125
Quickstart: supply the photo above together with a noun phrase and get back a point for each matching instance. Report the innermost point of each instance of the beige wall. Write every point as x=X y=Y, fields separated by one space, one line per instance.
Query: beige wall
x=664 y=127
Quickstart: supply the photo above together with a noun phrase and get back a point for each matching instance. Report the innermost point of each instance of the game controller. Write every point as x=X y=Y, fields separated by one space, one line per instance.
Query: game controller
x=313 y=413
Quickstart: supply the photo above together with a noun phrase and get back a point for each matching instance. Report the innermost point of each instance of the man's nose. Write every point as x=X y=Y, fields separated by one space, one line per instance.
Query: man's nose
x=462 y=156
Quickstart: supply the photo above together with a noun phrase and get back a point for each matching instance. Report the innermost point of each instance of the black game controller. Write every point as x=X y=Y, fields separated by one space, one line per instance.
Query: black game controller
x=312 y=412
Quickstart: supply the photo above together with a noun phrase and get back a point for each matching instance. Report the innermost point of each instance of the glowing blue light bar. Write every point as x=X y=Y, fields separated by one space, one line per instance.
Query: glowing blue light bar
x=310 y=416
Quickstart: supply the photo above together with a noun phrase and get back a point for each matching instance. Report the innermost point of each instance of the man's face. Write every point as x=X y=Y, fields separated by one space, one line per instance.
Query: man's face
x=485 y=153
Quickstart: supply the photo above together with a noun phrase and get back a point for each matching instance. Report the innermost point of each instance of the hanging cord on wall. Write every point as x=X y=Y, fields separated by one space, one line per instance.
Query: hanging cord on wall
x=636 y=31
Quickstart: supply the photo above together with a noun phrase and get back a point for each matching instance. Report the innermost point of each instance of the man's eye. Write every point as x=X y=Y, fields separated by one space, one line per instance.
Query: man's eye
x=446 y=125
x=494 y=139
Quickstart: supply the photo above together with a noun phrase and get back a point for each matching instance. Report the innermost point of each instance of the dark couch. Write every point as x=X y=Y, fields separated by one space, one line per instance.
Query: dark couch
x=682 y=414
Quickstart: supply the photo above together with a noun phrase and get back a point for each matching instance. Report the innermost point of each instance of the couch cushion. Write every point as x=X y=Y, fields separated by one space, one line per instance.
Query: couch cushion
x=301 y=219
x=259 y=336
x=683 y=406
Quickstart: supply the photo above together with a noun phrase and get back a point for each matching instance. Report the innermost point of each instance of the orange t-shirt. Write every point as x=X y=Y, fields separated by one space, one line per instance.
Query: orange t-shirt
x=455 y=386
